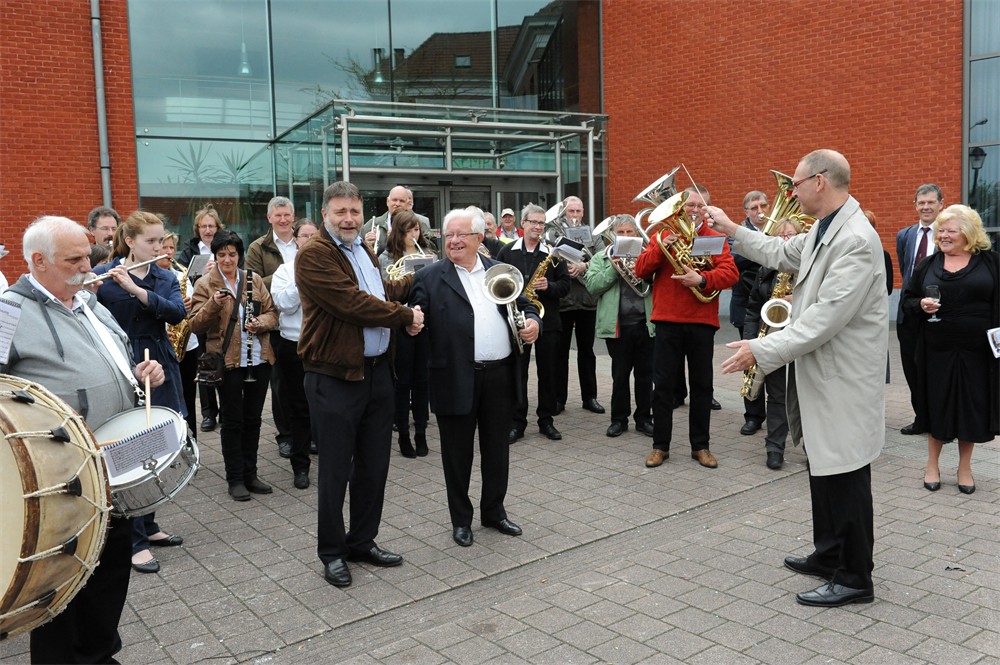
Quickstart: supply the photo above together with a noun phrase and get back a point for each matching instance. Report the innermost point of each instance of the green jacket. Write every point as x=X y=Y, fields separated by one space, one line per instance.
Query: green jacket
x=604 y=281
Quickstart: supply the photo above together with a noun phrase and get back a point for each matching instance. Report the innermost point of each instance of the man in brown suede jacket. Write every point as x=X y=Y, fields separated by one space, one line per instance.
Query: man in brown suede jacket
x=347 y=315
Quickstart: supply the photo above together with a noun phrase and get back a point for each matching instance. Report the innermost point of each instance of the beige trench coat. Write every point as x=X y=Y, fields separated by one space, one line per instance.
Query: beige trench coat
x=837 y=339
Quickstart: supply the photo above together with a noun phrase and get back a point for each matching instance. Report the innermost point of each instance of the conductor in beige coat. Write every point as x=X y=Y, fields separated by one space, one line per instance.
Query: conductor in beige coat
x=836 y=345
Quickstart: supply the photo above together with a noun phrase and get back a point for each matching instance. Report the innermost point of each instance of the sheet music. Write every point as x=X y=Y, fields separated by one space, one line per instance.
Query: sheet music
x=10 y=314
x=707 y=245
x=132 y=452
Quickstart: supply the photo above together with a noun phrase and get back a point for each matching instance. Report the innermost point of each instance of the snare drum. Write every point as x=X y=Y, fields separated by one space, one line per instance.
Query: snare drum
x=54 y=493
x=143 y=490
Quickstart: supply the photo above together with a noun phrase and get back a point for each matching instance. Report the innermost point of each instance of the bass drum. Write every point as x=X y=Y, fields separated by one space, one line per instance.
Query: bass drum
x=144 y=489
x=54 y=493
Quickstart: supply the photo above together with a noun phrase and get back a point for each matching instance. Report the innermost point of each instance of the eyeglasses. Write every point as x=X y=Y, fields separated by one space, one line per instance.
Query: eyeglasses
x=796 y=183
x=786 y=236
x=538 y=222
x=457 y=236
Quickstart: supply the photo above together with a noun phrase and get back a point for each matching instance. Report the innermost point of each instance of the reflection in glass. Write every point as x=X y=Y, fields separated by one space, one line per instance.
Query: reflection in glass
x=984 y=101
x=985 y=195
x=984 y=35
x=177 y=177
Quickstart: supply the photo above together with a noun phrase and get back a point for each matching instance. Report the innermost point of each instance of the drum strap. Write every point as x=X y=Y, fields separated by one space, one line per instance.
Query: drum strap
x=113 y=351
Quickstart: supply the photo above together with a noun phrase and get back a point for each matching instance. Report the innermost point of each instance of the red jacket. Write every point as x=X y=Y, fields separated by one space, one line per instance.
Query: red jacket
x=672 y=301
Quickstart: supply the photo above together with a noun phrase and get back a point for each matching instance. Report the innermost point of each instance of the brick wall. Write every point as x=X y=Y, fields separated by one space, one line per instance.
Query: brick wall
x=733 y=88
x=49 y=151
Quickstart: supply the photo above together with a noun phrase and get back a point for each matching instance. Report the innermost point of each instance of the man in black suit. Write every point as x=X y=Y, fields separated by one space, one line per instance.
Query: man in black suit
x=527 y=254
x=913 y=244
x=473 y=371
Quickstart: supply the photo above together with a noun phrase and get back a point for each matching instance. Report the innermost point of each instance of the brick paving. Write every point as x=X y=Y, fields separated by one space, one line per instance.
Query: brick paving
x=618 y=563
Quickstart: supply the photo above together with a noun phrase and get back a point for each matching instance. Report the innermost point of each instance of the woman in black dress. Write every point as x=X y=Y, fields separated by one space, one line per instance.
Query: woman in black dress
x=959 y=384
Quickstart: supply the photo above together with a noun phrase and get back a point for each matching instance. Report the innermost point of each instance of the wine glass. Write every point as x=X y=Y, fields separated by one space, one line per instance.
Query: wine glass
x=933 y=291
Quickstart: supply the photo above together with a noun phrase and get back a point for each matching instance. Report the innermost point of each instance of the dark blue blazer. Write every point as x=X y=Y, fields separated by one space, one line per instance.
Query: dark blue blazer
x=450 y=322
x=905 y=250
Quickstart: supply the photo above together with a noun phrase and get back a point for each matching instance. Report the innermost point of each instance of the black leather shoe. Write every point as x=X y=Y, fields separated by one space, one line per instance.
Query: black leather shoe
x=462 y=535
x=645 y=427
x=239 y=492
x=616 y=428
x=313 y=448
x=514 y=435
x=912 y=428
x=801 y=565
x=775 y=460
x=301 y=480
x=285 y=449
x=932 y=487
x=420 y=441
x=504 y=526
x=593 y=406
x=169 y=541
x=337 y=573
x=749 y=427
x=834 y=595
x=560 y=407
x=550 y=431
x=715 y=405
x=258 y=486
x=208 y=423
x=377 y=556
x=405 y=447
x=151 y=566
x=966 y=489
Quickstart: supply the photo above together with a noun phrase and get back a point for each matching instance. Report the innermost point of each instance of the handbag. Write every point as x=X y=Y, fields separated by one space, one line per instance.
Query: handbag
x=212 y=364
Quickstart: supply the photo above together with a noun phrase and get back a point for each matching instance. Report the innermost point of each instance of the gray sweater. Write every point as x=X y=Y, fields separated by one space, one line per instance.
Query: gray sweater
x=59 y=349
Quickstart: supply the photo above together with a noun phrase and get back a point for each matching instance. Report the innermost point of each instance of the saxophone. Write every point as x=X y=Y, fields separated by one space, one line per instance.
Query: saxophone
x=180 y=333
x=774 y=315
x=529 y=288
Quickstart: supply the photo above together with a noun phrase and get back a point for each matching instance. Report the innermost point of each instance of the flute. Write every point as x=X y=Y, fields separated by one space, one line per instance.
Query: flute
x=101 y=278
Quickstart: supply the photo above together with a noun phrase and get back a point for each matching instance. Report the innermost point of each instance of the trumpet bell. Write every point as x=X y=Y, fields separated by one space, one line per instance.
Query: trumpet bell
x=776 y=313
x=503 y=284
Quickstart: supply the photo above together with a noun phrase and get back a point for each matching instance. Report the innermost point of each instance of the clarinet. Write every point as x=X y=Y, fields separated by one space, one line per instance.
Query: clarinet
x=247 y=320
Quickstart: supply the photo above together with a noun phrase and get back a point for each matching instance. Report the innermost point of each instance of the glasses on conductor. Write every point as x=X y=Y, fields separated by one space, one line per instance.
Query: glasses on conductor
x=796 y=183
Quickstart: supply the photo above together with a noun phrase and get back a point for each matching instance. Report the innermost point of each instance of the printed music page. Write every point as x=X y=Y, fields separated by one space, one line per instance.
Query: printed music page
x=10 y=314
x=133 y=451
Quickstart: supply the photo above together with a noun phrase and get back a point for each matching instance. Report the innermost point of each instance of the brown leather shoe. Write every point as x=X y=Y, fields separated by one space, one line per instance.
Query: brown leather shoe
x=656 y=457
x=705 y=458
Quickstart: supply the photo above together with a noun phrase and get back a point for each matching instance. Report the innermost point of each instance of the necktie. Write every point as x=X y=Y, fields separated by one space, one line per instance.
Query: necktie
x=921 y=247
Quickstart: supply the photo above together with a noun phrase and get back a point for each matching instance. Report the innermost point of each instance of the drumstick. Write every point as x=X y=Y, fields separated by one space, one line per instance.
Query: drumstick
x=149 y=415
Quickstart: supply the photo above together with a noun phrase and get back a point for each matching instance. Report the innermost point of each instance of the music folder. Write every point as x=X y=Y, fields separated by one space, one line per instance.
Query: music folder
x=197 y=266
x=707 y=245
x=570 y=250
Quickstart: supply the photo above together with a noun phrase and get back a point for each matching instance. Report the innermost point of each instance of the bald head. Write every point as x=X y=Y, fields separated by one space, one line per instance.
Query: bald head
x=399 y=199
x=832 y=164
x=823 y=178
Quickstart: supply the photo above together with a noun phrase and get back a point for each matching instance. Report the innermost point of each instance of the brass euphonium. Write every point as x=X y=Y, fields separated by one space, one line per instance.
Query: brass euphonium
x=502 y=284
x=180 y=333
x=656 y=193
x=776 y=313
x=671 y=217
x=624 y=266
x=398 y=270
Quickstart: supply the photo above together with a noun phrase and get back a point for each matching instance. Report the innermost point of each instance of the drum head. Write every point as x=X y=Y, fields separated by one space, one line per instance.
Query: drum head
x=128 y=423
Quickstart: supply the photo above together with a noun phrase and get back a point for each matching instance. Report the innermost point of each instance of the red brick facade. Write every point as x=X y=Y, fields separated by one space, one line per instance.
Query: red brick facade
x=733 y=88
x=49 y=150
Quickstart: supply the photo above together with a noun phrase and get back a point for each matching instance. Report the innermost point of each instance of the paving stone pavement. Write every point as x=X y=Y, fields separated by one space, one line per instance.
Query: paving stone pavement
x=618 y=563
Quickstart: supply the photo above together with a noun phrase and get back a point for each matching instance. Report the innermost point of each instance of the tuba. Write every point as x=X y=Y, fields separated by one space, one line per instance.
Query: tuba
x=658 y=191
x=776 y=313
x=503 y=284
x=180 y=333
x=670 y=217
